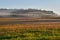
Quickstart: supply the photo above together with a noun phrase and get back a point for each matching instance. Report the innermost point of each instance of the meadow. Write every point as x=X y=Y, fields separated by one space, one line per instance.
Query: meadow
x=35 y=31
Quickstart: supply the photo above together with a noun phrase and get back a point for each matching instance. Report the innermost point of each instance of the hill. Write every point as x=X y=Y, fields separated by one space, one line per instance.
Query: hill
x=27 y=13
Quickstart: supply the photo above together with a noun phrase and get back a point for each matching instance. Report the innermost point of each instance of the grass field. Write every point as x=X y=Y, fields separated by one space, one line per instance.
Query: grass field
x=37 y=31
x=28 y=31
x=20 y=19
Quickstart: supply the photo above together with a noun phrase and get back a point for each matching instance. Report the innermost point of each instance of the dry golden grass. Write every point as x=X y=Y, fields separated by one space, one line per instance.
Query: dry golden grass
x=35 y=31
x=30 y=26
x=9 y=19
x=34 y=25
x=15 y=19
x=20 y=19
x=29 y=31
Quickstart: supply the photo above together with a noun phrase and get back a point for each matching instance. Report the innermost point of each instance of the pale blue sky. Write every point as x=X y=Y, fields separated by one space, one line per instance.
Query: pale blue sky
x=40 y=4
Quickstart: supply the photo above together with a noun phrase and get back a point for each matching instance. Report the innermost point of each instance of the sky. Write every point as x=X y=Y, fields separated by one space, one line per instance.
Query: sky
x=53 y=5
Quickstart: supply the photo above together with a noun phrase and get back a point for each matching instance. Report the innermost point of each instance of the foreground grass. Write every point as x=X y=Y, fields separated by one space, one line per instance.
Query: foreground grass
x=42 y=31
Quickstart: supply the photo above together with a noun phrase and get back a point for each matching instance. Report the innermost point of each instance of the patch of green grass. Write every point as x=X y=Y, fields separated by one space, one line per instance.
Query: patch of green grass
x=33 y=35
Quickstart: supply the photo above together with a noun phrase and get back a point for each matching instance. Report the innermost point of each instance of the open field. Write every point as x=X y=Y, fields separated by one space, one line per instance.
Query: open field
x=25 y=19
x=30 y=30
x=41 y=31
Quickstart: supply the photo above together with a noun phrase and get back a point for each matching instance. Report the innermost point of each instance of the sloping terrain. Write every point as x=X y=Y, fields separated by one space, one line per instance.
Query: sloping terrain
x=29 y=24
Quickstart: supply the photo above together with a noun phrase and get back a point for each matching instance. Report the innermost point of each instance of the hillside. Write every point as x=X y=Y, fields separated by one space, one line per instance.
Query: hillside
x=27 y=13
